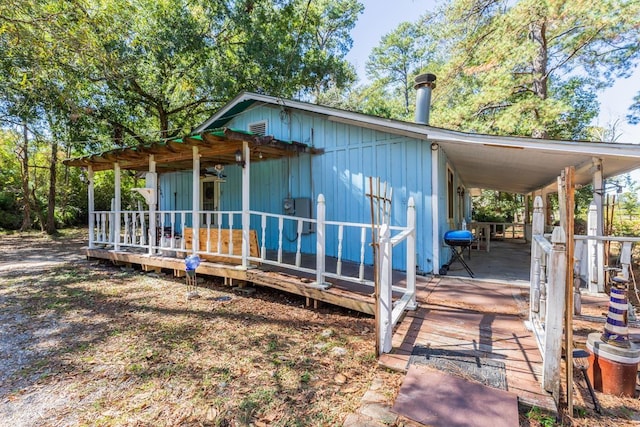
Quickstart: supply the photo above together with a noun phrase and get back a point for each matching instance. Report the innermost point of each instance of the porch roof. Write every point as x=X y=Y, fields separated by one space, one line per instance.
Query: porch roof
x=503 y=163
x=216 y=146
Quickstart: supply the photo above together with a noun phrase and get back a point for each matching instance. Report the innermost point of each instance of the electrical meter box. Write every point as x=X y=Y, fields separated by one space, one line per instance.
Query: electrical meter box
x=300 y=207
x=288 y=206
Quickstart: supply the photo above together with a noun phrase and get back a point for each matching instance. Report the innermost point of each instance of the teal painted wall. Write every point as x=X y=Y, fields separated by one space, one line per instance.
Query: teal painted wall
x=351 y=154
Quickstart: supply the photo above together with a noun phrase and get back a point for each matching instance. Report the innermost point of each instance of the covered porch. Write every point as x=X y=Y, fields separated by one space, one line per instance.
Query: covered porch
x=299 y=251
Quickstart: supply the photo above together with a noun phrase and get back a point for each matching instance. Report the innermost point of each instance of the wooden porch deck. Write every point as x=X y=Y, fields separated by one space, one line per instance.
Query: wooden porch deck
x=342 y=293
x=477 y=318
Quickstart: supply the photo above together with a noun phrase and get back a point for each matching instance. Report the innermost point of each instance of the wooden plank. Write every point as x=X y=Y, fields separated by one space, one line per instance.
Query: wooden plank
x=284 y=282
x=569 y=182
x=361 y=303
x=212 y=234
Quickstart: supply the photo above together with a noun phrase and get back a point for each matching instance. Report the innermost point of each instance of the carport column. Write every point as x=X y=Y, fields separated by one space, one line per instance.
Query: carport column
x=117 y=206
x=152 y=208
x=92 y=206
x=598 y=192
x=547 y=209
x=195 y=207
x=435 y=221
x=592 y=247
x=527 y=218
x=246 y=218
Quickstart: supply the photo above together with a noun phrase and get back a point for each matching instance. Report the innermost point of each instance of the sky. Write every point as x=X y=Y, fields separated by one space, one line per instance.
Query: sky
x=382 y=16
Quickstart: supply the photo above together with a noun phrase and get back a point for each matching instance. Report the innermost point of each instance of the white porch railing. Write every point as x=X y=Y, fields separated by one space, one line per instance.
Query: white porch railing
x=547 y=296
x=548 y=283
x=590 y=260
x=289 y=251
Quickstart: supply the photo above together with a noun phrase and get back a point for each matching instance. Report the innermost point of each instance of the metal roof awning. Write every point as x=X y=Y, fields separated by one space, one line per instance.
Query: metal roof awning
x=523 y=169
x=504 y=163
x=214 y=146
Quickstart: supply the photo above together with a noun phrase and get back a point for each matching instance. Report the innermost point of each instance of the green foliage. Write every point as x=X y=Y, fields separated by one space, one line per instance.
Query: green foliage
x=87 y=76
x=395 y=61
x=496 y=206
x=544 y=418
x=525 y=68
x=10 y=217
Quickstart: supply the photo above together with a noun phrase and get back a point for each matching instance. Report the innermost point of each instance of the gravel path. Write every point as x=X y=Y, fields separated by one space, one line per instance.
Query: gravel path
x=27 y=340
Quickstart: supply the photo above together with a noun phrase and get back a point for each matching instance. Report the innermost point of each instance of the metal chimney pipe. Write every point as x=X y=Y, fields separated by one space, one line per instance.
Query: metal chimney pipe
x=424 y=84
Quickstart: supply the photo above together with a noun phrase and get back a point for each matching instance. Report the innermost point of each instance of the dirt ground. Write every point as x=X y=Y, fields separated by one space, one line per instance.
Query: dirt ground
x=84 y=343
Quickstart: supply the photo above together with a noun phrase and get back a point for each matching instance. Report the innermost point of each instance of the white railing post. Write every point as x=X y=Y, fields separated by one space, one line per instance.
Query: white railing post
x=340 y=239
x=117 y=206
x=280 y=232
x=363 y=239
x=263 y=247
x=537 y=229
x=195 y=204
x=554 y=317
x=385 y=301
x=152 y=236
x=246 y=205
x=92 y=203
x=625 y=259
x=598 y=199
x=411 y=253
x=127 y=228
x=111 y=222
x=577 y=267
x=320 y=240
x=592 y=247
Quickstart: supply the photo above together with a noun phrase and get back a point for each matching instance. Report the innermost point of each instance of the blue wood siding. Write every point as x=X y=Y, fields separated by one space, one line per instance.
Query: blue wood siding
x=351 y=154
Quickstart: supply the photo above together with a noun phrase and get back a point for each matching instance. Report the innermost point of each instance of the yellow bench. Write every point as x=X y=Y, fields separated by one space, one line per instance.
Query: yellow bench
x=236 y=238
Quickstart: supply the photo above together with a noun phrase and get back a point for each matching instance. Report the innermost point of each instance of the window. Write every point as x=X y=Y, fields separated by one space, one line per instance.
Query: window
x=210 y=193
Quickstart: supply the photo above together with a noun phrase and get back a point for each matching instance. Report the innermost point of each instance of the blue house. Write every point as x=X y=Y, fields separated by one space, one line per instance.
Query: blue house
x=438 y=168
x=272 y=182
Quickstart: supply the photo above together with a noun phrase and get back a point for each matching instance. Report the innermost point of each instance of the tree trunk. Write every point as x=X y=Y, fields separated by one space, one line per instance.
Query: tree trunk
x=38 y=209
x=51 y=200
x=23 y=153
x=164 y=122
x=539 y=65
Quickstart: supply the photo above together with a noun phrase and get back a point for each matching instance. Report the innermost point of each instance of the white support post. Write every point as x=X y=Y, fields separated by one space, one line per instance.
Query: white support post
x=92 y=206
x=385 y=301
x=411 y=253
x=246 y=218
x=111 y=221
x=537 y=229
x=577 y=267
x=117 y=206
x=555 y=315
x=544 y=195
x=320 y=240
x=592 y=247
x=153 y=233
x=195 y=206
x=435 y=206
x=625 y=259
x=598 y=195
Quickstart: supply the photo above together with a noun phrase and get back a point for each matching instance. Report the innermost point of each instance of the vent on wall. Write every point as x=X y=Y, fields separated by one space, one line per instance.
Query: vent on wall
x=259 y=128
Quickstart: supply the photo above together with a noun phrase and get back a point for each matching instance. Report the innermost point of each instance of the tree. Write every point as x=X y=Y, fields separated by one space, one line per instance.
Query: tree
x=508 y=60
x=85 y=76
x=394 y=62
x=170 y=63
